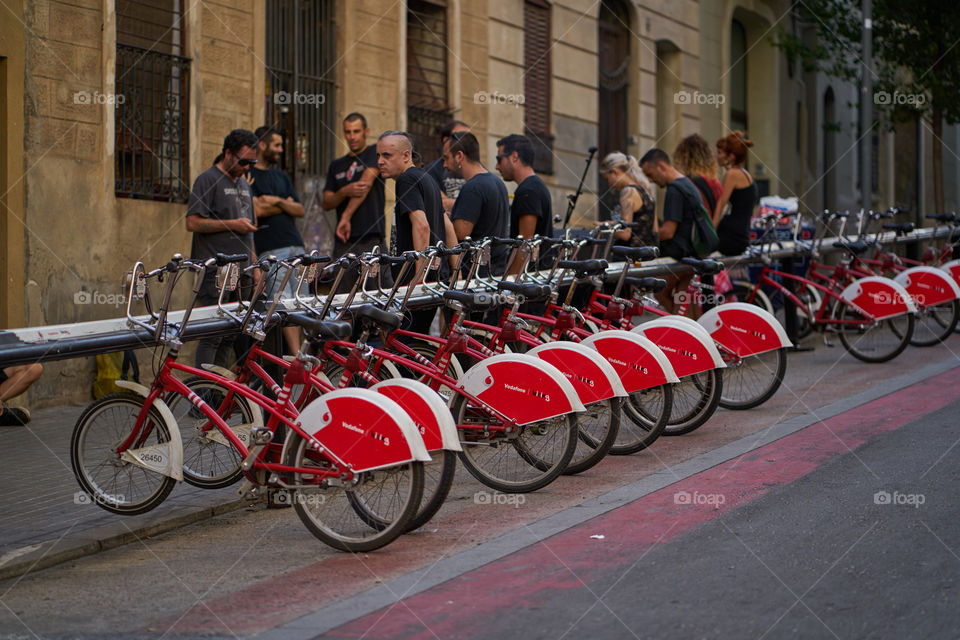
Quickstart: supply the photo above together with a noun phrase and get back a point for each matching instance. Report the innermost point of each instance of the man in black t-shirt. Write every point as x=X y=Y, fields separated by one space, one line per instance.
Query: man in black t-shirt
x=276 y=205
x=678 y=217
x=531 y=212
x=418 y=214
x=449 y=184
x=482 y=209
x=355 y=189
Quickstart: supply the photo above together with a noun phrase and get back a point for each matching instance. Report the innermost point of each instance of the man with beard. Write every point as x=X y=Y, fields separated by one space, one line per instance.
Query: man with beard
x=276 y=205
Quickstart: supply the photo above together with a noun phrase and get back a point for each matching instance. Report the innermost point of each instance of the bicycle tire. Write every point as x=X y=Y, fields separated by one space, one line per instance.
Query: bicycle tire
x=871 y=341
x=597 y=430
x=208 y=463
x=438 y=475
x=367 y=515
x=516 y=466
x=695 y=400
x=750 y=381
x=102 y=474
x=647 y=413
x=935 y=323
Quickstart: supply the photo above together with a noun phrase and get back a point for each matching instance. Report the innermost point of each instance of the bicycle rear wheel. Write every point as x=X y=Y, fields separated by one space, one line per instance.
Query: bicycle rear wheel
x=647 y=412
x=115 y=484
x=516 y=463
x=752 y=380
x=695 y=399
x=209 y=461
x=597 y=430
x=872 y=341
x=363 y=515
x=936 y=323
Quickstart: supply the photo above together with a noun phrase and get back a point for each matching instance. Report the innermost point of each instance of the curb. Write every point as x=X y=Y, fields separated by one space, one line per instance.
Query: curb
x=45 y=554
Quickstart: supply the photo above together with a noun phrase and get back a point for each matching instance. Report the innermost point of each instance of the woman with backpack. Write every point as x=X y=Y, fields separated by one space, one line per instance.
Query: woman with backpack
x=739 y=191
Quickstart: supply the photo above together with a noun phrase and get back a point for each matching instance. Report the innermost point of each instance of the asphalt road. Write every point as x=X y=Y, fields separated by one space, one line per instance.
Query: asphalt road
x=829 y=512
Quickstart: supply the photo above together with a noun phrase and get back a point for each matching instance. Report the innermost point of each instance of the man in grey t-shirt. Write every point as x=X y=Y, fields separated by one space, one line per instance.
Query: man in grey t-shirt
x=220 y=216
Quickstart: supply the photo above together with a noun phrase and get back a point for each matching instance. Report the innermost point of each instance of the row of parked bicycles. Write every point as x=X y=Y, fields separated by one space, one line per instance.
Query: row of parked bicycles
x=532 y=376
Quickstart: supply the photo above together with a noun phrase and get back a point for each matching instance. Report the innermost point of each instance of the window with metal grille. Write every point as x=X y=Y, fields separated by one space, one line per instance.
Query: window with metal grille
x=301 y=50
x=536 y=82
x=152 y=101
x=427 y=106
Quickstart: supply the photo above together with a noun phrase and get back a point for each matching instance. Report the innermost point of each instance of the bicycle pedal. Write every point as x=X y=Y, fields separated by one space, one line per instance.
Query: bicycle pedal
x=250 y=491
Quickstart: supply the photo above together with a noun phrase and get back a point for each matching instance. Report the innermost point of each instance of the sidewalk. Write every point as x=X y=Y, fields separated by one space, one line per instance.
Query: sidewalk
x=46 y=519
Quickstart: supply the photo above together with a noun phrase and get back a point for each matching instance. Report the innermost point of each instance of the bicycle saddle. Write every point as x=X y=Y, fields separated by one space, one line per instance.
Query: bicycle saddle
x=653 y=285
x=704 y=267
x=584 y=267
x=318 y=329
x=856 y=248
x=901 y=229
x=527 y=290
x=636 y=253
x=374 y=315
x=471 y=301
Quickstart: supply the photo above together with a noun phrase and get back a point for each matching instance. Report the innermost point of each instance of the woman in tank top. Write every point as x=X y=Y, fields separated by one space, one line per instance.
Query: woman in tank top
x=636 y=202
x=739 y=191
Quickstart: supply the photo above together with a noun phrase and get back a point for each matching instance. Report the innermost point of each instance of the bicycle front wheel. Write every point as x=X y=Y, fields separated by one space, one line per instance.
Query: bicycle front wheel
x=116 y=484
x=752 y=380
x=517 y=463
x=872 y=341
x=935 y=323
x=365 y=514
x=647 y=412
x=695 y=399
x=209 y=460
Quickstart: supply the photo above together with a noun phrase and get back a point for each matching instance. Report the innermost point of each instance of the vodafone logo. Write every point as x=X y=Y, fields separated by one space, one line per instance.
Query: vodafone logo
x=351 y=427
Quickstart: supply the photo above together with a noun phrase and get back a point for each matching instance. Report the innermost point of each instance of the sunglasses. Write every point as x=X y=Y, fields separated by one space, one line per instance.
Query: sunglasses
x=243 y=162
x=501 y=156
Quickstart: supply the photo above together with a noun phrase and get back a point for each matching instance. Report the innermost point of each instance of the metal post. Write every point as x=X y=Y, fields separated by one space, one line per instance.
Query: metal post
x=866 y=108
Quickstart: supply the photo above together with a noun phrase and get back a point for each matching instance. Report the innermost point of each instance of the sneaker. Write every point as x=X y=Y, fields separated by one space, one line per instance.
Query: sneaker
x=14 y=417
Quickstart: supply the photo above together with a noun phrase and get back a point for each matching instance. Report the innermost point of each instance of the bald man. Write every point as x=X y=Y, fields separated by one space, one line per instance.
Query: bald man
x=418 y=213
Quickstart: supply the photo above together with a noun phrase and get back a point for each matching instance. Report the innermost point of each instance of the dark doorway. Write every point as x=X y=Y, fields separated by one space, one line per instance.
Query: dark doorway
x=614 y=44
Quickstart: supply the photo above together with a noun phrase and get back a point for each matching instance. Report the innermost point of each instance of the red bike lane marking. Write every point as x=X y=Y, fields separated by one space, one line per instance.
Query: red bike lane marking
x=570 y=559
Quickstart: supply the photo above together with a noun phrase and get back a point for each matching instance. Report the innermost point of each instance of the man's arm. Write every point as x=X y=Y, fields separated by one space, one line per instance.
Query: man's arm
x=291 y=207
x=462 y=228
x=526 y=227
x=343 y=227
x=447 y=201
x=199 y=224
x=266 y=205
x=667 y=229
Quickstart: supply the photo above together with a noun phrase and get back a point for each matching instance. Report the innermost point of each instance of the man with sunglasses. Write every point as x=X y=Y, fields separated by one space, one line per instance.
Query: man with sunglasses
x=220 y=216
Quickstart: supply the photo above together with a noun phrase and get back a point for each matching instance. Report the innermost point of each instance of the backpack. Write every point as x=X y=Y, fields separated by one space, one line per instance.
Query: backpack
x=703 y=236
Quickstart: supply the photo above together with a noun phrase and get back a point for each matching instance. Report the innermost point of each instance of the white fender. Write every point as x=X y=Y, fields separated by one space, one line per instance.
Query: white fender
x=523 y=388
x=744 y=329
x=442 y=425
x=879 y=297
x=223 y=372
x=581 y=365
x=953 y=268
x=171 y=453
x=928 y=286
x=689 y=347
x=639 y=363
x=363 y=429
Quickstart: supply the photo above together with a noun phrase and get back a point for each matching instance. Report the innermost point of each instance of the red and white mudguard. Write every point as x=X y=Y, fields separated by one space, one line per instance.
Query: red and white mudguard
x=639 y=363
x=879 y=297
x=363 y=429
x=744 y=329
x=521 y=387
x=953 y=268
x=686 y=344
x=428 y=410
x=590 y=374
x=928 y=286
